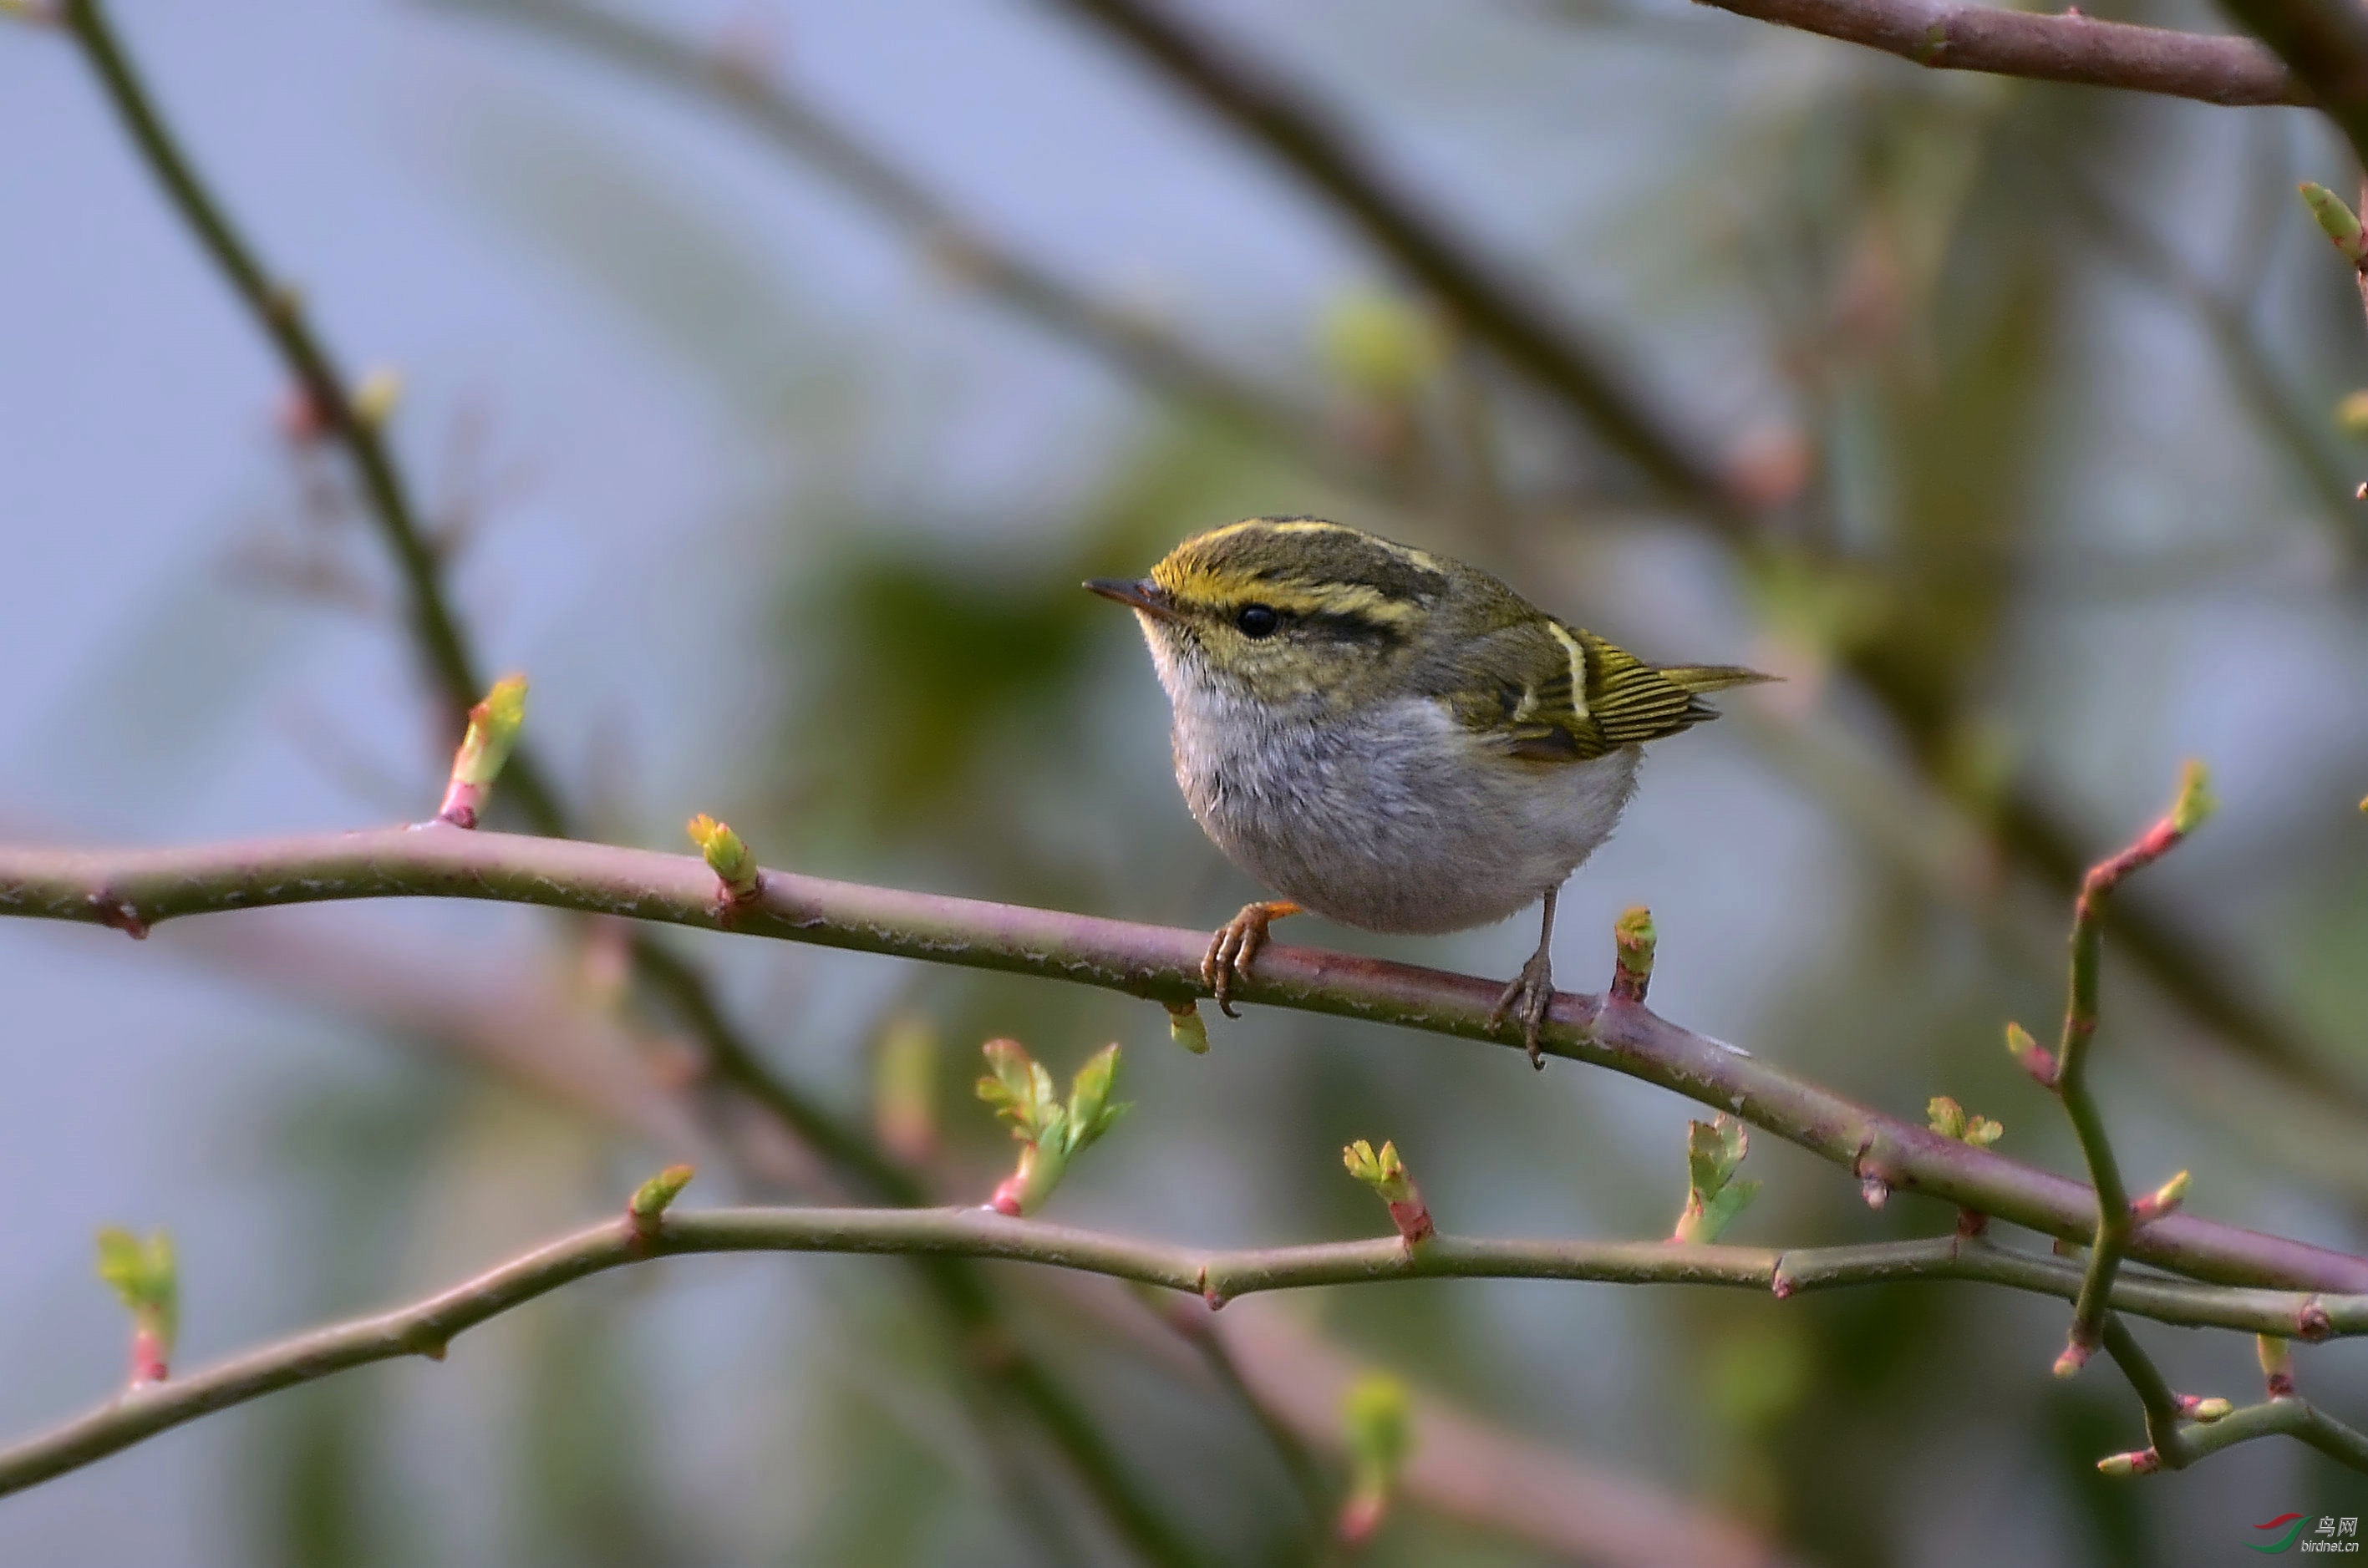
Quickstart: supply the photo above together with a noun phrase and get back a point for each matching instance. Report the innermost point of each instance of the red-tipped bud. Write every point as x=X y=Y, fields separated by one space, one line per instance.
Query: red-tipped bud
x=2277 y=1365
x=494 y=726
x=2164 y=1199
x=1386 y=1175
x=2036 y=1058
x=146 y=1281
x=645 y=1212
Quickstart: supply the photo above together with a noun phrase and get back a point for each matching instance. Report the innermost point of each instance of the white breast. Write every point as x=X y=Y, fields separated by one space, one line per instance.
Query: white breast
x=1397 y=819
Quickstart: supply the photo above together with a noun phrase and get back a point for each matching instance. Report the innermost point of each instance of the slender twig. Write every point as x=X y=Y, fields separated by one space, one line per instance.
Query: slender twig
x=428 y=1327
x=442 y=639
x=2069 y=47
x=2177 y=1438
x=138 y=889
x=2288 y=1416
x=2116 y=1221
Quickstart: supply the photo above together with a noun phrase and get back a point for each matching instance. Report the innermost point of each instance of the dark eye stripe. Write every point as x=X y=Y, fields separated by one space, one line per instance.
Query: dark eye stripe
x=1335 y=628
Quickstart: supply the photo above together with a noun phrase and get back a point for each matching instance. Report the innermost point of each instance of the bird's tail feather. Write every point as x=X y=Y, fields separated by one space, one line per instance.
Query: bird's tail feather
x=1712 y=677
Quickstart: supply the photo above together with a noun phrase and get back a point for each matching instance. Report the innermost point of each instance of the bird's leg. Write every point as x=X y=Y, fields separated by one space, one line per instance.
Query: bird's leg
x=1532 y=991
x=1235 y=943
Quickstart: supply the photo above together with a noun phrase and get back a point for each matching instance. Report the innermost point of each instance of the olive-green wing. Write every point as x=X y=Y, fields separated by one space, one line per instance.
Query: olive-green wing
x=1556 y=693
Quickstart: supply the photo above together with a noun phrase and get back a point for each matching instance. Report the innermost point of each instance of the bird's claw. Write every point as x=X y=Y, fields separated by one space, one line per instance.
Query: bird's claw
x=1235 y=943
x=1529 y=997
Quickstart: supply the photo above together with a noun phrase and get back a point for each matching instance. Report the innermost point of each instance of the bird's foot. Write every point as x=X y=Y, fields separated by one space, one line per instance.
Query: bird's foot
x=1528 y=998
x=1235 y=943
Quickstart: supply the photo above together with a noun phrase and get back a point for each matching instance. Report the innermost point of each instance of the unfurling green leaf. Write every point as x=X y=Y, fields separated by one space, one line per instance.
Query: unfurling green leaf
x=1020 y=1091
x=1387 y=1175
x=1091 y=1110
x=145 y=1279
x=1950 y=1120
x=1384 y=1172
x=1051 y=1132
x=1714 y=1197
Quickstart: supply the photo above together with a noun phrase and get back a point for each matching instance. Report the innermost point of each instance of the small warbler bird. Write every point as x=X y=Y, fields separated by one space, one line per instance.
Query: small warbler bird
x=1393 y=739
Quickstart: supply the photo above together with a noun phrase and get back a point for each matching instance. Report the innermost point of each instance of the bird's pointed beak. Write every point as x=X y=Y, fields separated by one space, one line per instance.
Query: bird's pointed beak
x=1141 y=593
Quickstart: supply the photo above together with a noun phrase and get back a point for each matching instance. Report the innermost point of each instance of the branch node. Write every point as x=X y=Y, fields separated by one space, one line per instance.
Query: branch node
x=2311 y=1323
x=118 y=913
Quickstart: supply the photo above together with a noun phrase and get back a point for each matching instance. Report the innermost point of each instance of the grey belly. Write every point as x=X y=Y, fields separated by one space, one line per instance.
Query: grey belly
x=1400 y=821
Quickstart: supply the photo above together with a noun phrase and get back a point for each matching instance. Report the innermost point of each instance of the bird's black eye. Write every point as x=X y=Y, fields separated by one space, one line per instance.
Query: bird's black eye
x=1257 y=621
